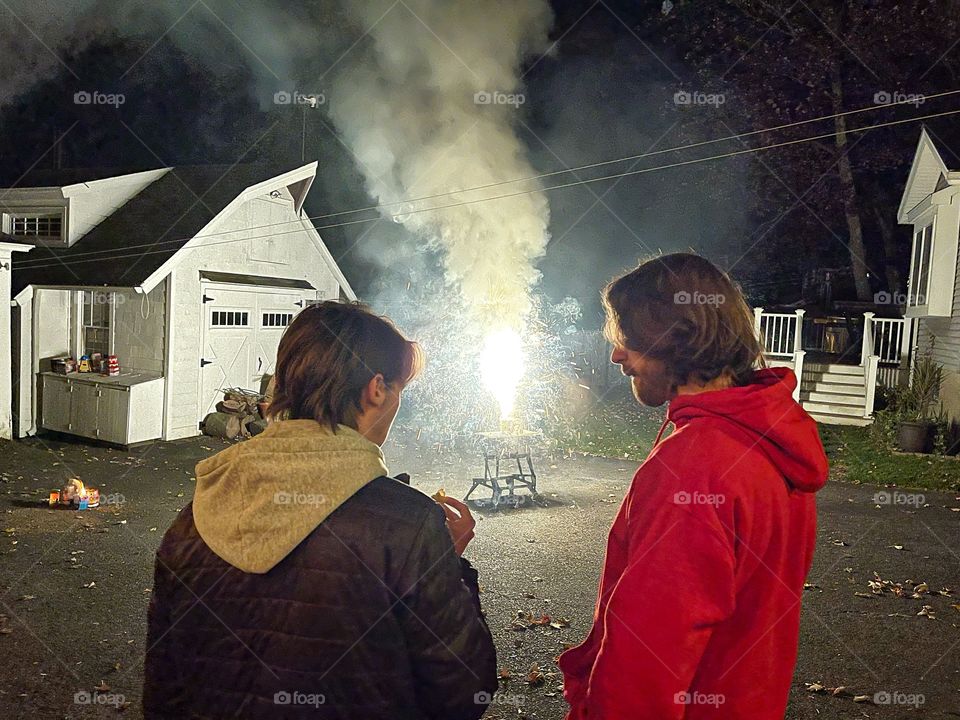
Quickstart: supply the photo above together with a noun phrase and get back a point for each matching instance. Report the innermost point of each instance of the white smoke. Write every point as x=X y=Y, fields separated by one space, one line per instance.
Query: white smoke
x=410 y=103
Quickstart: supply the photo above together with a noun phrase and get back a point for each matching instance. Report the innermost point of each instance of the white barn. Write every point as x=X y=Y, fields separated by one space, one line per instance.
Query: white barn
x=188 y=275
x=931 y=205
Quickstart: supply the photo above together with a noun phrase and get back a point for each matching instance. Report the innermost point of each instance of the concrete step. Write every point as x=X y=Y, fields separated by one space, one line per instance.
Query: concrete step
x=828 y=419
x=833 y=409
x=832 y=378
x=834 y=368
x=832 y=398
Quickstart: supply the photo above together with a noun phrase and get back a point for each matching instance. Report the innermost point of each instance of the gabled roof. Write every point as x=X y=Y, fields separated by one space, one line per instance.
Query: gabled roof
x=927 y=174
x=159 y=220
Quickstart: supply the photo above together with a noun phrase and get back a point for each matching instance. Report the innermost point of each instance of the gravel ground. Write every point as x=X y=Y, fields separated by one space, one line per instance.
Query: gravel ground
x=74 y=586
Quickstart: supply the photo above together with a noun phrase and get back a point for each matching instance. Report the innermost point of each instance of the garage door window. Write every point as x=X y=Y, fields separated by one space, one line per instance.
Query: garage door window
x=276 y=319
x=230 y=319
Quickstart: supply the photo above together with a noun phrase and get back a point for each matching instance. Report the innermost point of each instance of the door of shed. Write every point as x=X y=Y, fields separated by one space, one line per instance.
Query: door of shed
x=241 y=333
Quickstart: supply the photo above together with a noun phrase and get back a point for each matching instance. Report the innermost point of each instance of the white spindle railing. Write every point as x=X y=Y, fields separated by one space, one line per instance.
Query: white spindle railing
x=780 y=333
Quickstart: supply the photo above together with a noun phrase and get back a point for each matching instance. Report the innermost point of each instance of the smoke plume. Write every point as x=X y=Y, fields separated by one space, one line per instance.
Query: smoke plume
x=428 y=105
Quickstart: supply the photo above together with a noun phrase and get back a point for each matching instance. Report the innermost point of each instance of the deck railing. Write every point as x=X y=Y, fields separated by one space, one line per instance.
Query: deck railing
x=884 y=351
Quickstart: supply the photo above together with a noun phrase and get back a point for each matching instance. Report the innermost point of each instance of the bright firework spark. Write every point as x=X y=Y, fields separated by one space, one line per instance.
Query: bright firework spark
x=502 y=367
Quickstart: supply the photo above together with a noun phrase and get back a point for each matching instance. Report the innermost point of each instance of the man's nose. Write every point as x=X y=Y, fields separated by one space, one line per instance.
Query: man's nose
x=618 y=356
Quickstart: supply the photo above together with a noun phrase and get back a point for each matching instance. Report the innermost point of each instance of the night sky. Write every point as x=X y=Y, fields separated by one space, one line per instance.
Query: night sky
x=620 y=79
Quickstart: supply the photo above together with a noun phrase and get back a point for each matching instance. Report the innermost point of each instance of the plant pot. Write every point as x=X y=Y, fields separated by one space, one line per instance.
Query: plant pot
x=914 y=436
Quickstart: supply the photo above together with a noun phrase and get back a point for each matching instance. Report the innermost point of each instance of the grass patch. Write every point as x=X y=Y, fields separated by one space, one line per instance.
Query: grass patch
x=856 y=457
x=621 y=428
x=618 y=428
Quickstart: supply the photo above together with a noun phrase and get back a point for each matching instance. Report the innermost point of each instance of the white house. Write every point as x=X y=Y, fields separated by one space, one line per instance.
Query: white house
x=931 y=204
x=187 y=274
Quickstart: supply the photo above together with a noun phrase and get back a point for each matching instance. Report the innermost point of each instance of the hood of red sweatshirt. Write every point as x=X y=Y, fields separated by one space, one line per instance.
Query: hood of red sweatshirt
x=767 y=411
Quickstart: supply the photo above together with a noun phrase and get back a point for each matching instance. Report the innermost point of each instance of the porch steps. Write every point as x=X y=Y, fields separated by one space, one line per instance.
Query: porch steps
x=834 y=394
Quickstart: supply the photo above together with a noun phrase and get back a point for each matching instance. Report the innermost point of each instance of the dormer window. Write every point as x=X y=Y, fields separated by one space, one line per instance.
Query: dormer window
x=46 y=226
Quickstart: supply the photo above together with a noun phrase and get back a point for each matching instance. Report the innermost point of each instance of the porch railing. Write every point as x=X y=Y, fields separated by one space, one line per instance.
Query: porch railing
x=884 y=351
x=781 y=333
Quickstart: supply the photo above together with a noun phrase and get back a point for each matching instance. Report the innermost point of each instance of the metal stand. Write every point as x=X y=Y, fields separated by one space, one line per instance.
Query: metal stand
x=495 y=451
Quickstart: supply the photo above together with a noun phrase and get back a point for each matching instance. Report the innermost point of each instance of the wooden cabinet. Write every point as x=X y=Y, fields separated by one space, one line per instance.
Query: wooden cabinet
x=124 y=410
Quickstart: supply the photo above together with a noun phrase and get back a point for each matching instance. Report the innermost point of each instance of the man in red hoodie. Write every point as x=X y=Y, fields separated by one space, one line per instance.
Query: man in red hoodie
x=698 y=610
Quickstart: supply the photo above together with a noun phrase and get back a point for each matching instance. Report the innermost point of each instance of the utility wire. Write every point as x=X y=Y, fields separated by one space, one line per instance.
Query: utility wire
x=26 y=263
x=77 y=258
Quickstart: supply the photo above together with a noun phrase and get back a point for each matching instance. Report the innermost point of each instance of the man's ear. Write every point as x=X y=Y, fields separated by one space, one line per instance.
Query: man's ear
x=374 y=393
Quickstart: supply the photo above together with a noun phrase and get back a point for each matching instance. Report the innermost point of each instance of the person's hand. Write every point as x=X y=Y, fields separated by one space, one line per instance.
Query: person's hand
x=460 y=522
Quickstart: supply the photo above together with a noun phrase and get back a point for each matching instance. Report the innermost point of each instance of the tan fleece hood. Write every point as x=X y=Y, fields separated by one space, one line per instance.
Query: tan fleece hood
x=257 y=500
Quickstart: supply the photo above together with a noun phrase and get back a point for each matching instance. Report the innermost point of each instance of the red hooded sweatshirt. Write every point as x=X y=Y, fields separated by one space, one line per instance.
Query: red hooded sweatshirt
x=698 y=612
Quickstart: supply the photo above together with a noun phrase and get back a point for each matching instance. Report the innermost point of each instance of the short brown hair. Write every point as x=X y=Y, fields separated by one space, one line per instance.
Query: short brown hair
x=327 y=356
x=683 y=310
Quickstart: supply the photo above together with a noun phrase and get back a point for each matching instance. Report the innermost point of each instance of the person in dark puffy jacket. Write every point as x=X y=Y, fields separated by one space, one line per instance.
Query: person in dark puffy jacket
x=304 y=581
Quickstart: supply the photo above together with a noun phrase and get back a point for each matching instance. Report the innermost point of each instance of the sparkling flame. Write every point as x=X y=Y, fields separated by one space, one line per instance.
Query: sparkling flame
x=501 y=367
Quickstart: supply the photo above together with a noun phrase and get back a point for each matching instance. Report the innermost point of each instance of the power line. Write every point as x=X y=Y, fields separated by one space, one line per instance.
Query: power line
x=43 y=263
x=678 y=148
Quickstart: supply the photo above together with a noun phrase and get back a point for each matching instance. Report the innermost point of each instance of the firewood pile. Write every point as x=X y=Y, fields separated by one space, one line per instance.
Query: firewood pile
x=238 y=415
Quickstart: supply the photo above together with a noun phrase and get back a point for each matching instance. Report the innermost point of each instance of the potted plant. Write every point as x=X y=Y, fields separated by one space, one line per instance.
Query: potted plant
x=915 y=407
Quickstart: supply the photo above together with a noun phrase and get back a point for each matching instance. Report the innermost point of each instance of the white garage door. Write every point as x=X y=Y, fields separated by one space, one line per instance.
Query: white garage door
x=241 y=333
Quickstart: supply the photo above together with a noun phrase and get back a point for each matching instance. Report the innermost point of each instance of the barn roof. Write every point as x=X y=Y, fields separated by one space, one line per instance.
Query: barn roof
x=159 y=220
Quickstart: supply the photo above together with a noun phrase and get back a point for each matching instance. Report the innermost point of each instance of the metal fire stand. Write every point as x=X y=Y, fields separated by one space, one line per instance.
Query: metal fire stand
x=500 y=451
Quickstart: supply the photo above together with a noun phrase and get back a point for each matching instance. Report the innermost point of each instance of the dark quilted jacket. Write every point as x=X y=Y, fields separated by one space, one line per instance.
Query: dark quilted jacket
x=371 y=616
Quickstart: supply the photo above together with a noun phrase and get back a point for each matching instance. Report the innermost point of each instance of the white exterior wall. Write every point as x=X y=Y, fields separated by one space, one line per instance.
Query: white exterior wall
x=946 y=330
x=7 y=259
x=139 y=330
x=287 y=255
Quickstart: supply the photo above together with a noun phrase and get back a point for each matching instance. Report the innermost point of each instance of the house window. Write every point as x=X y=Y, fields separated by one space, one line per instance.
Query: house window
x=276 y=319
x=96 y=322
x=920 y=267
x=230 y=319
x=44 y=225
